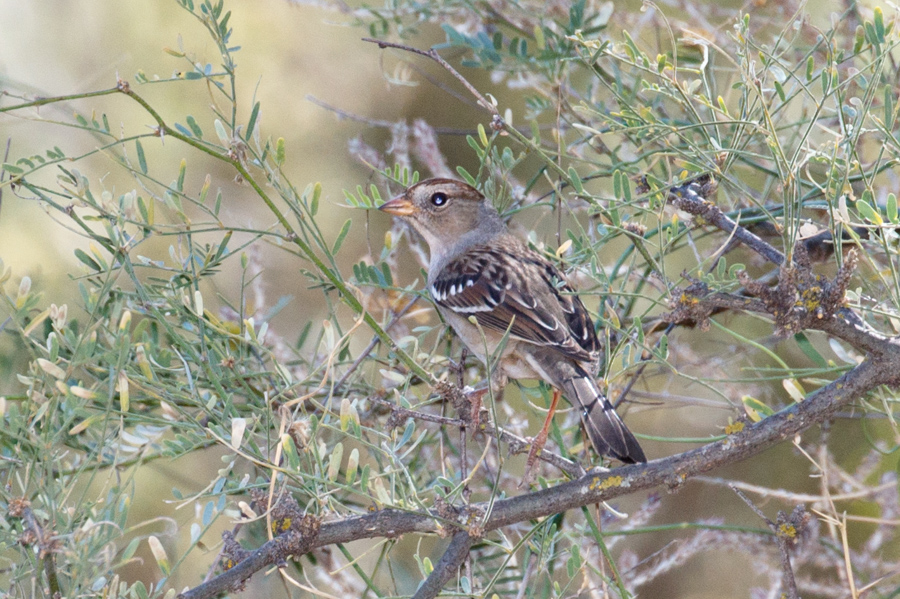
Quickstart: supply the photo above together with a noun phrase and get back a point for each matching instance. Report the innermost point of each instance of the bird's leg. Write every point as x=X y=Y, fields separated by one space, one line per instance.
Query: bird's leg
x=538 y=444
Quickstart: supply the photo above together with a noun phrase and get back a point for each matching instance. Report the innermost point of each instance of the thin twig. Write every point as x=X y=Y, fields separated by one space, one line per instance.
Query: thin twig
x=374 y=342
x=753 y=507
x=516 y=443
x=526 y=577
x=433 y=55
x=497 y=121
x=644 y=362
x=46 y=544
x=786 y=530
x=691 y=197
x=2 y=171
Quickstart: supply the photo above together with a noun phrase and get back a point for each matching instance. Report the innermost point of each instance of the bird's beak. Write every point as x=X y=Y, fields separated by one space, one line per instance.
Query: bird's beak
x=399 y=206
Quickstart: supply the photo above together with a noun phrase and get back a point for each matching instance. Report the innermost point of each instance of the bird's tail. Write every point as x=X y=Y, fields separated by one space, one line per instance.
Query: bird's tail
x=607 y=432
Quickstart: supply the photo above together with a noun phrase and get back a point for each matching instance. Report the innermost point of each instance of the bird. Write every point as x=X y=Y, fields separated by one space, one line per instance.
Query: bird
x=480 y=271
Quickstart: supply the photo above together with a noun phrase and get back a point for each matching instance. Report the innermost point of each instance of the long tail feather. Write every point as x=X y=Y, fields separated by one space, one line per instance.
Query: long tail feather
x=607 y=432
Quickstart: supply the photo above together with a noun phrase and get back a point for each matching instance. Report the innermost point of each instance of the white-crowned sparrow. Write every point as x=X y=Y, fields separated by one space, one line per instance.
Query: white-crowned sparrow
x=479 y=269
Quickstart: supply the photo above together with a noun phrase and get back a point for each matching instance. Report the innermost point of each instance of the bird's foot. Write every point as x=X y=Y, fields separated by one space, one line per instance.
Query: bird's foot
x=537 y=445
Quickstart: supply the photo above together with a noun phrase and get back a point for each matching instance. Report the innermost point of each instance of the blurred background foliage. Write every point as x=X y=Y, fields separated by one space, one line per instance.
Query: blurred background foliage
x=170 y=343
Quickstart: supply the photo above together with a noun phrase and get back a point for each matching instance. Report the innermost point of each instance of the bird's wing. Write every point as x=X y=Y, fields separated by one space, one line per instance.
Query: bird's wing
x=503 y=283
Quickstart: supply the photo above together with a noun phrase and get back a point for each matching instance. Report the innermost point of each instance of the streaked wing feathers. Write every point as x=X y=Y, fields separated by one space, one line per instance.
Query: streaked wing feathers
x=500 y=282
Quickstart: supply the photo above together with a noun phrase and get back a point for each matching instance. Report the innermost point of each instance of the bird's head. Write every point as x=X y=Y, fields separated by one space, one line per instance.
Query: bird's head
x=447 y=213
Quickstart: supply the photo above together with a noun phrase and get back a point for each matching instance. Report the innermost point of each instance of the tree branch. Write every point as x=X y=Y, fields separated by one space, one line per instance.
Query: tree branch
x=447 y=566
x=799 y=301
x=595 y=486
x=691 y=197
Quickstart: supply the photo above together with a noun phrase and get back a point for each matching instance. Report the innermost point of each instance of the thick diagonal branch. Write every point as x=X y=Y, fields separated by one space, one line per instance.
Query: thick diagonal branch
x=447 y=566
x=598 y=486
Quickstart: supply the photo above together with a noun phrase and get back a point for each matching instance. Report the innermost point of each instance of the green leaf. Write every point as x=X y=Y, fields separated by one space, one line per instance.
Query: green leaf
x=860 y=39
x=810 y=67
x=535 y=131
x=541 y=42
x=84 y=258
x=576 y=181
x=314 y=202
x=279 y=151
x=807 y=347
x=482 y=135
x=871 y=34
x=340 y=238
x=466 y=176
x=879 y=24
x=867 y=212
x=334 y=463
x=224 y=139
x=251 y=124
x=352 y=466
x=183 y=130
x=364 y=477
x=131 y=549
x=223 y=24
x=891 y=208
x=364 y=199
x=142 y=159
x=195 y=128
x=376 y=195
x=626 y=188
x=12 y=169
x=888 y=106
x=722 y=105
x=662 y=352
x=407 y=434
x=479 y=151
x=182 y=171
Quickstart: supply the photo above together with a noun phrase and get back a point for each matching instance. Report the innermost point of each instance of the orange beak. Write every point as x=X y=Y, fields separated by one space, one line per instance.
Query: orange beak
x=399 y=206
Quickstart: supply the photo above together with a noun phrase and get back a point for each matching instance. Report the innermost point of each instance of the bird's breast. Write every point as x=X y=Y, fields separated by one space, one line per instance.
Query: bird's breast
x=484 y=343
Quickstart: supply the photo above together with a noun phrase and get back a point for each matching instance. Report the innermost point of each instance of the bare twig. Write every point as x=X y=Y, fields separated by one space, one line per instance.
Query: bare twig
x=516 y=443
x=786 y=529
x=2 y=171
x=497 y=121
x=35 y=534
x=395 y=318
x=595 y=486
x=433 y=55
x=691 y=197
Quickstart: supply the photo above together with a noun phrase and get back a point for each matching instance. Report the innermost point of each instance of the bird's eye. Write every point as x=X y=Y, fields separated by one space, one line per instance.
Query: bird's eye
x=439 y=198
